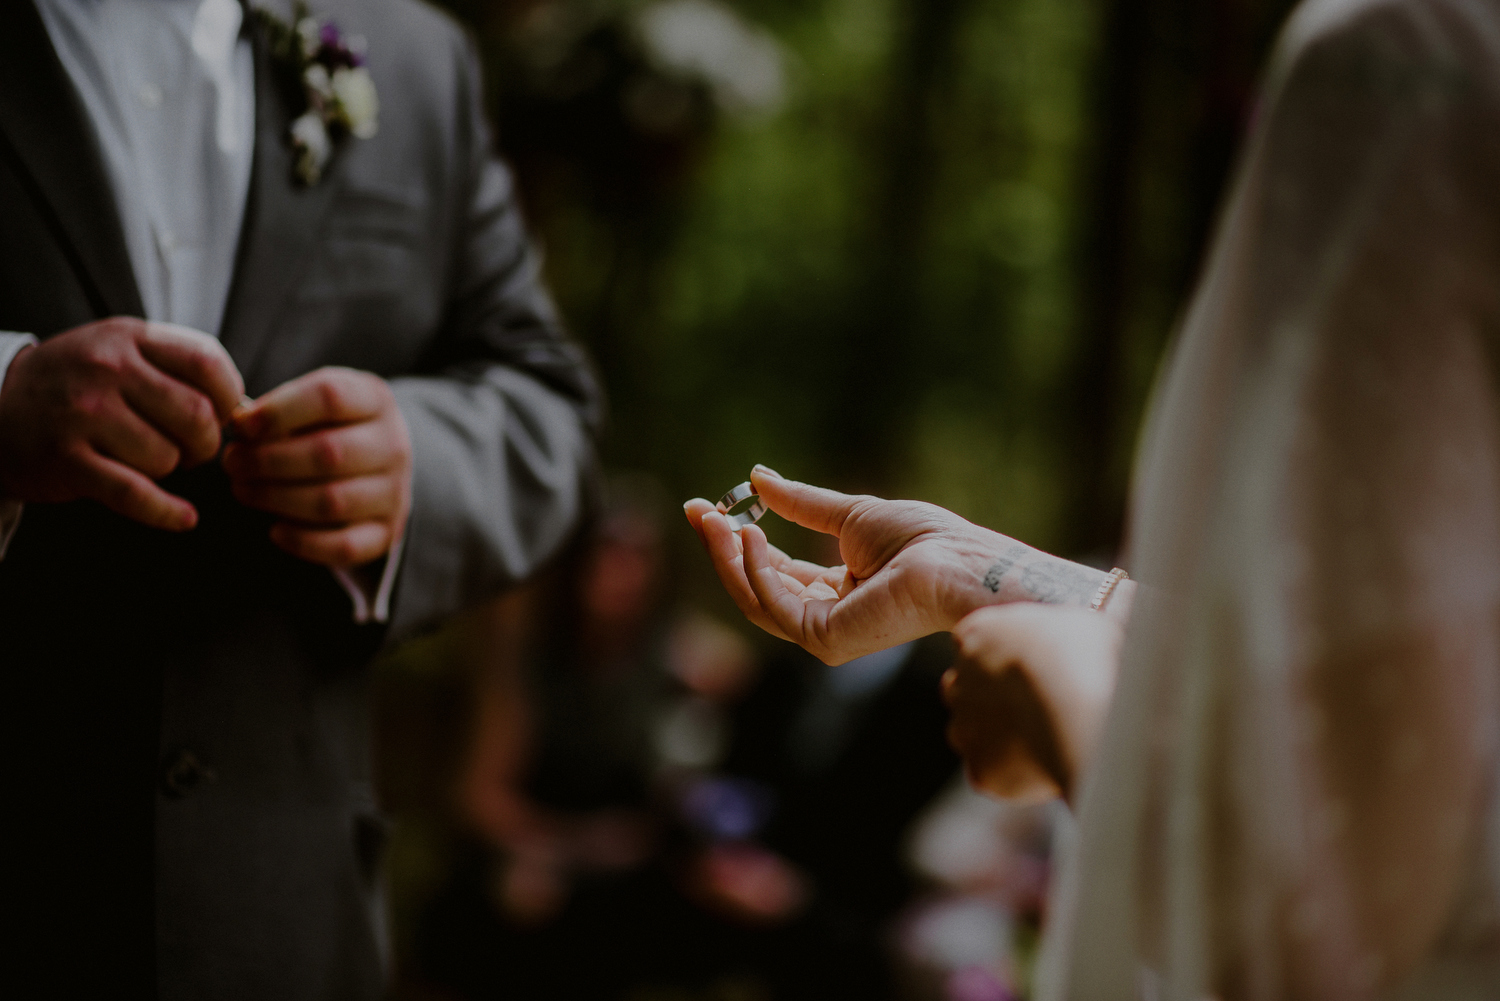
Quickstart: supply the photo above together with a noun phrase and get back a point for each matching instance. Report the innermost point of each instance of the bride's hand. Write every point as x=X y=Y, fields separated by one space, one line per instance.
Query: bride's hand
x=1029 y=693
x=910 y=569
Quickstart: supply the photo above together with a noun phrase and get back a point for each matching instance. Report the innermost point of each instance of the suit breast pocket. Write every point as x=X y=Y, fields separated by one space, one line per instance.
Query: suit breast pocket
x=371 y=247
x=357 y=269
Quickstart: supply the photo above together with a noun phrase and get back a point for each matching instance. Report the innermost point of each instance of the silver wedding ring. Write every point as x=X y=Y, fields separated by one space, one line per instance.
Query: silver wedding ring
x=740 y=494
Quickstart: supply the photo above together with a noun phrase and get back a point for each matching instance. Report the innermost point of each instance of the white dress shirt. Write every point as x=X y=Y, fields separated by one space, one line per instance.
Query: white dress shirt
x=169 y=86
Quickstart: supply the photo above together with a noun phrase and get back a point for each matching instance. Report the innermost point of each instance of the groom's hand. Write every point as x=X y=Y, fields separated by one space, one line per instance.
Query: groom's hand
x=103 y=410
x=330 y=455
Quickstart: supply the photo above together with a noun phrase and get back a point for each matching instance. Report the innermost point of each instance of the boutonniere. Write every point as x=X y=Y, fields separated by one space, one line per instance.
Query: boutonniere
x=328 y=70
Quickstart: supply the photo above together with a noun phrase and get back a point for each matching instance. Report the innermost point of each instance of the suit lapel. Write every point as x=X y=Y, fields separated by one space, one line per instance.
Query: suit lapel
x=281 y=227
x=49 y=132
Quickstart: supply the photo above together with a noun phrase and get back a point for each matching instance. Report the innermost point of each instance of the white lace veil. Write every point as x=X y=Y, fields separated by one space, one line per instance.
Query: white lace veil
x=1295 y=794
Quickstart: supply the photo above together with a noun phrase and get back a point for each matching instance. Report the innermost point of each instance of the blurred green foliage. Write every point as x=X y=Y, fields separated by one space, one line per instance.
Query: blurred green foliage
x=943 y=266
x=759 y=327
x=791 y=273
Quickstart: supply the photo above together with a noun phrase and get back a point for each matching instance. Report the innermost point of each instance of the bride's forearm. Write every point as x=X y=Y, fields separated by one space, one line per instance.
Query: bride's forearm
x=999 y=570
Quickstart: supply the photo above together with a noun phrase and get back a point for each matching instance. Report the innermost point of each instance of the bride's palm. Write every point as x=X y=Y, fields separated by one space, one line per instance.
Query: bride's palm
x=901 y=561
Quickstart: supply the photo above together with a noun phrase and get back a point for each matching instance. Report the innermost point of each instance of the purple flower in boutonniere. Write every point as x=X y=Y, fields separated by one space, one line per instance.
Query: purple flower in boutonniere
x=327 y=72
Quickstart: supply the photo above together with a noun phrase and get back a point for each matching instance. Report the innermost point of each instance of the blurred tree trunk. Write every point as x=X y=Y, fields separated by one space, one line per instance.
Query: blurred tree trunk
x=1109 y=175
x=1173 y=91
x=880 y=363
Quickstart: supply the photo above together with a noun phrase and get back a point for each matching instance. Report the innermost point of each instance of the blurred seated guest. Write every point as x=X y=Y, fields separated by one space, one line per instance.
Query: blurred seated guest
x=1291 y=791
x=658 y=810
x=582 y=763
x=852 y=755
x=986 y=863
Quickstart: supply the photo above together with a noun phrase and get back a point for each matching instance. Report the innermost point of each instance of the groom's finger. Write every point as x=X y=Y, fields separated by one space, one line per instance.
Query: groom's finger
x=351 y=546
x=329 y=395
x=196 y=359
x=127 y=492
x=177 y=410
x=334 y=502
x=354 y=450
x=817 y=508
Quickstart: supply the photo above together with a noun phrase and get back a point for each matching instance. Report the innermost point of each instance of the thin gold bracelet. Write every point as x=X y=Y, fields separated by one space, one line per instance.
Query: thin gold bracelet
x=1107 y=588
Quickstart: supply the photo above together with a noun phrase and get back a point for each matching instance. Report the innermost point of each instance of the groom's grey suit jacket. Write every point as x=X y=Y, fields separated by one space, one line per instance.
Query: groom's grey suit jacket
x=187 y=801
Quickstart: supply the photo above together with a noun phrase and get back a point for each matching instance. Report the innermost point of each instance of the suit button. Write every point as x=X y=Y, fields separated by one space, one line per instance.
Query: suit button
x=182 y=774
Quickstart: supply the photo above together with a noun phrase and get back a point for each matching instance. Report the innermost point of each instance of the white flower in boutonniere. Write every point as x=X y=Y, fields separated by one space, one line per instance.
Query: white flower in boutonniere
x=356 y=96
x=310 y=140
x=335 y=87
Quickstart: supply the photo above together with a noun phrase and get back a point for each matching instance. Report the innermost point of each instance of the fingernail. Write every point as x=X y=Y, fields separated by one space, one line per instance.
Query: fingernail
x=759 y=468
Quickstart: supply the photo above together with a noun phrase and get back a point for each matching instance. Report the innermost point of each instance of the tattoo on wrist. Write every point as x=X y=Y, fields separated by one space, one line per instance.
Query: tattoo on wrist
x=1048 y=581
x=994 y=574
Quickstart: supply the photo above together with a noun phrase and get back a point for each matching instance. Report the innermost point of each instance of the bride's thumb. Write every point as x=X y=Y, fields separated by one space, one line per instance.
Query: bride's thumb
x=817 y=508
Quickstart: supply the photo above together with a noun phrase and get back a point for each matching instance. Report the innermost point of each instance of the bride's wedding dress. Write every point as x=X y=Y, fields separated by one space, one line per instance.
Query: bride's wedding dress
x=1296 y=796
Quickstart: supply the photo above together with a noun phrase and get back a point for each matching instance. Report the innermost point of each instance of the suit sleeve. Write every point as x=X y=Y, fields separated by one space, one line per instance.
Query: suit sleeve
x=503 y=420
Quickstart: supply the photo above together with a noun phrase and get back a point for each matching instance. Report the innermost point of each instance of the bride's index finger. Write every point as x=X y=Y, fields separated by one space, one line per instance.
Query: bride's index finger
x=800 y=570
x=725 y=551
x=817 y=508
x=802 y=619
x=695 y=509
